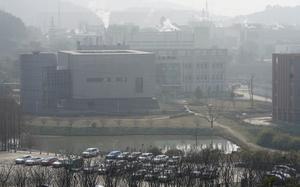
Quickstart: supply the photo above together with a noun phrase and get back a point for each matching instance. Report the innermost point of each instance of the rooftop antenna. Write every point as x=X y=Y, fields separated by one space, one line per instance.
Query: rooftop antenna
x=58 y=13
x=206 y=9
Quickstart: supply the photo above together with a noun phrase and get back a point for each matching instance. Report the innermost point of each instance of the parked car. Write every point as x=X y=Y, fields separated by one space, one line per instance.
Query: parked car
x=48 y=161
x=146 y=157
x=134 y=156
x=23 y=159
x=123 y=156
x=113 y=155
x=33 y=161
x=160 y=159
x=286 y=169
x=91 y=169
x=90 y=152
x=60 y=163
x=74 y=164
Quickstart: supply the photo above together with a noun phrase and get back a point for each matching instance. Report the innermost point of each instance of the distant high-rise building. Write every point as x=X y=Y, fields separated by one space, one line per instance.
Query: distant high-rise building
x=286 y=87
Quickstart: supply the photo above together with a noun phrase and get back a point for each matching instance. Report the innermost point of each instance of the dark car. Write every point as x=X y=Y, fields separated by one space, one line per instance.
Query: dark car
x=23 y=159
x=91 y=169
x=74 y=164
x=102 y=170
x=113 y=155
x=48 y=161
x=139 y=175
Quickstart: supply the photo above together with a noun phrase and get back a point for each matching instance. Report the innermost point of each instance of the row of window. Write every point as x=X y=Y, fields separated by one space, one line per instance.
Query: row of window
x=192 y=52
x=203 y=66
x=204 y=77
x=205 y=87
x=107 y=79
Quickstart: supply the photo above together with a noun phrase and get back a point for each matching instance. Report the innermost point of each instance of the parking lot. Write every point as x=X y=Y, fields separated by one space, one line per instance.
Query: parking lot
x=118 y=168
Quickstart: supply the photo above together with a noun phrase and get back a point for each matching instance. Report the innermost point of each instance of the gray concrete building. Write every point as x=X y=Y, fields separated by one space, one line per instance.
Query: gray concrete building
x=33 y=71
x=88 y=82
x=286 y=89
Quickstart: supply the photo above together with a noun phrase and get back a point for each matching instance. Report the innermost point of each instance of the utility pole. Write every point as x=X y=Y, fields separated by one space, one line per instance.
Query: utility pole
x=251 y=90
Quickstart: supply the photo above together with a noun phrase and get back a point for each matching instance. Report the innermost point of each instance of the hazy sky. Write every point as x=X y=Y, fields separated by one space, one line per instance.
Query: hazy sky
x=220 y=7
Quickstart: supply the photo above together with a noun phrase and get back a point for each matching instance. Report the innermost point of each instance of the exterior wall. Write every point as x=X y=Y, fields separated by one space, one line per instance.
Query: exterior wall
x=162 y=40
x=189 y=69
x=33 y=68
x=57 y=88
x=105 y=76
x=286 y=88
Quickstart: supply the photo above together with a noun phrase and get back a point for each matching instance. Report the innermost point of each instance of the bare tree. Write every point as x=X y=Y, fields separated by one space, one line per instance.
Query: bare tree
x=57 y=121
x=20 y=176
x=102 y=122
x=44 y=121
x=135 y=123
x=150 y=122
x=197 y=124
x=119 y=122
x=5 y=174
x=251 y=90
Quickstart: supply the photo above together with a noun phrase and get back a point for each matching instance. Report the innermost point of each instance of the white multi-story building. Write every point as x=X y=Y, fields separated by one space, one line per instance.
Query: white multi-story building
x=185 y=70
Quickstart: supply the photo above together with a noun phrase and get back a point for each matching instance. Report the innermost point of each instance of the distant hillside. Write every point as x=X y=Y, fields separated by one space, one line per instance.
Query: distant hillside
x=12 y=32
x=274 y=15
x=40 y=13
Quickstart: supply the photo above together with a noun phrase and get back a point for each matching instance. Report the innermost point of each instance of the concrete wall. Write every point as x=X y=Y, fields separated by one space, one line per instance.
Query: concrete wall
x=103 y=75
x=32 y=74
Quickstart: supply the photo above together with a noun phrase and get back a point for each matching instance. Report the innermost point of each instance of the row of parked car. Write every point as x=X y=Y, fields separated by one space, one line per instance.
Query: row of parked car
x=282 y=173
x=49 y=161
x=118 y=155
x=28 y=160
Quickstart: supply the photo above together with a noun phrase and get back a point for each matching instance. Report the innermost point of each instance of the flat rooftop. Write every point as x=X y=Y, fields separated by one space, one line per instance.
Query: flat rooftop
x=104 y=52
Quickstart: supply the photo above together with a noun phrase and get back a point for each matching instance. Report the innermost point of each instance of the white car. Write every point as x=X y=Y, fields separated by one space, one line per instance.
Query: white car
x=146 y=157
x=90 y=152
x=160 y=159
x=23 y=159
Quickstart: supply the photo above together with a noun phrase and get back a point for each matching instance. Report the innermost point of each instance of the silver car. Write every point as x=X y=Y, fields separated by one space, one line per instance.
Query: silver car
x=90 y=152
x=33 y=161
x=23 y=159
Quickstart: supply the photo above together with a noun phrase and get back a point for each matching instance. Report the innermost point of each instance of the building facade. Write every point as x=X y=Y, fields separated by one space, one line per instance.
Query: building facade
x=186 y=70
x=88 y=82
x=33 y=72
x=286 y=87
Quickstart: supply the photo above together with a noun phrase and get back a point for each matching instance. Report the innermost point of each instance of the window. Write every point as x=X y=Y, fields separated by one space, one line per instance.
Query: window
x=95 y=79
x=119 y=79
x=139 y=85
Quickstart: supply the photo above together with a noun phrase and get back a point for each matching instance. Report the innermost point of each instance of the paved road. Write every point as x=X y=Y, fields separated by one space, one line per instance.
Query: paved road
x=255 y=97
x=233 y=133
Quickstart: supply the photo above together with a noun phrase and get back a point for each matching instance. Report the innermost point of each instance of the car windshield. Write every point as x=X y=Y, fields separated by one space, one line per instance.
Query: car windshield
x=91 y=150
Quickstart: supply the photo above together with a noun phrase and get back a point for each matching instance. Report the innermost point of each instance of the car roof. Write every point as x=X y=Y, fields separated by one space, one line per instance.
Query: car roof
x=115 y=152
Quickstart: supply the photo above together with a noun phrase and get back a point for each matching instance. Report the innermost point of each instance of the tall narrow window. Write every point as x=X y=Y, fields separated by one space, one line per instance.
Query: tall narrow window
x=139 y=85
